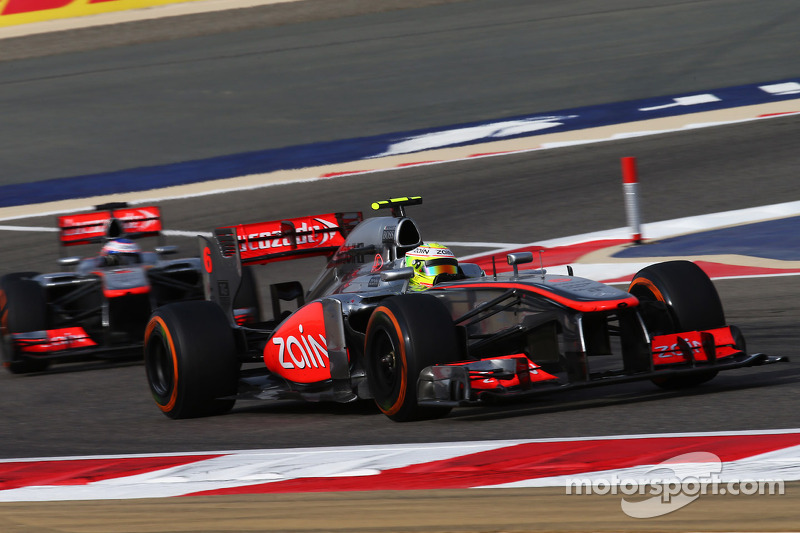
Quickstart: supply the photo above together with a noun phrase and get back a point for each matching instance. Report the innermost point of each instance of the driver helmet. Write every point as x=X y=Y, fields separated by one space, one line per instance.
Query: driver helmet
x=120 y=251
x=120 y=246
x=429 y=261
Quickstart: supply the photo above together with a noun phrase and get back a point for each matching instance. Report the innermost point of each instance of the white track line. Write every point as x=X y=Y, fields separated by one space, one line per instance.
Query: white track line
x=432 y=157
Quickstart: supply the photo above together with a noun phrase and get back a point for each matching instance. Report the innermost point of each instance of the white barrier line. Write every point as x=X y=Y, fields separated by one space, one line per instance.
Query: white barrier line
x=168 y=233
x=678 y=226
x=179 y=233
x=27 y=228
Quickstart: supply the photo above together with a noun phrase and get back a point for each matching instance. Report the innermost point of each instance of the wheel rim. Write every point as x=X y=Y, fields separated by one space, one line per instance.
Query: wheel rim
x=385 y=365
x=661 y=324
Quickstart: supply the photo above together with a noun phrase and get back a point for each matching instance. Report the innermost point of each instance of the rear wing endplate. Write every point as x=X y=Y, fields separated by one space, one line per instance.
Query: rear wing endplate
x=109 y=221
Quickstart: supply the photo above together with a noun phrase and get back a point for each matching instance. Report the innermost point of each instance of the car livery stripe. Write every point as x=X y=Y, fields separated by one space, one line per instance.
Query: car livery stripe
x=481 y=464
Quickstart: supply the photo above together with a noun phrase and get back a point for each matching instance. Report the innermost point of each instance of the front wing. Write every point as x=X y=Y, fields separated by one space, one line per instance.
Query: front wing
x=516 y=377
x=70 y=343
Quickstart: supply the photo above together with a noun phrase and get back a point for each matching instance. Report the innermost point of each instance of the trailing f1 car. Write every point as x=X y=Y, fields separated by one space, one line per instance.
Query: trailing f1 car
x=101 y=308
x=404 y=324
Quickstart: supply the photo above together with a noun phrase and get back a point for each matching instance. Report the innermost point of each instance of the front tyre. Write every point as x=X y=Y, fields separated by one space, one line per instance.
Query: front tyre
x=190 y=359
x=405 y=334
x=691 y=303
x=23 y=308
x=689 y=294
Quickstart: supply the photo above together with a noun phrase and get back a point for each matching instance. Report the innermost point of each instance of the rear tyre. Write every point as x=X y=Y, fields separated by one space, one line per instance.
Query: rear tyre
x=692 y=304
x=405 y=334
x=23 y=308
x=190 y=359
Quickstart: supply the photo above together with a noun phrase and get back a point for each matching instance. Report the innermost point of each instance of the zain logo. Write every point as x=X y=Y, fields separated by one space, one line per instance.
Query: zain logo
x=306 y=352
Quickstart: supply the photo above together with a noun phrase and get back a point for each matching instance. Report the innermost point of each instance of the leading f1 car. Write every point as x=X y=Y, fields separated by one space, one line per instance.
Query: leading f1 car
x=402 y=322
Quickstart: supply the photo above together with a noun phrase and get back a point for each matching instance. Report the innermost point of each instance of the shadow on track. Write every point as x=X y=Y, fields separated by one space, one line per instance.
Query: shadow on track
x=643 y=392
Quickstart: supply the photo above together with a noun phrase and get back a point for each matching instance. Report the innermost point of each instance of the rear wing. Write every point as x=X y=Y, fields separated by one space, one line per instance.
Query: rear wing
x=260 y=243
x=280 y=240
x=109 y=221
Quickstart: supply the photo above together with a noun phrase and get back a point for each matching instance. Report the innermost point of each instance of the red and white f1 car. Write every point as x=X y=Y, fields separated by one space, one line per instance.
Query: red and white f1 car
x=476 y=338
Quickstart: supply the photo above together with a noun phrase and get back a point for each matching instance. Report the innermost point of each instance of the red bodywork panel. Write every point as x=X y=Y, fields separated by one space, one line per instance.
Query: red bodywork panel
x=484 y=381
x=85 y=228
x=280 y=240
x=298 y=350
x=666 y=348
x=53 y=340
x=117 y=293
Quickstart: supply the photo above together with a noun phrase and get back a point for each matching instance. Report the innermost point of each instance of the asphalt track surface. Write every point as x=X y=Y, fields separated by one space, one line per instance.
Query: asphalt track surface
x=106 y=409
x=267 y=83
x=519 y=198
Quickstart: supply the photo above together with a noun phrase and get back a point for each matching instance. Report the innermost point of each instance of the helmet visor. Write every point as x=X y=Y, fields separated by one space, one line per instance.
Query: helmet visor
x=434 y=267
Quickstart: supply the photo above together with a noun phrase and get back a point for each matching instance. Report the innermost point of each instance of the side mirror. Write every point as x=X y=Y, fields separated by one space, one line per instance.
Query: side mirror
x=166 y=250
x=518 y=259
x=400 y=273
x=69 y=261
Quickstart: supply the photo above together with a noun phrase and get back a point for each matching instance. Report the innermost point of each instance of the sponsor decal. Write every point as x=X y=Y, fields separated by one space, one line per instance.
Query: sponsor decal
x=79 y=228
x=666 y=348
x=83 y=226
x=53 y=340
x=279 y=236
x=140 y=220
x=223 y=290
x=377 y=264
x=298 y=350
x=309 y=353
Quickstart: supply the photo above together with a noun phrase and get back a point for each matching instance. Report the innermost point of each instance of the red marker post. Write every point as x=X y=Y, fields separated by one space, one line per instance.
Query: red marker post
x=630 y=186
